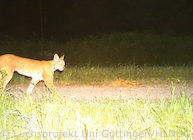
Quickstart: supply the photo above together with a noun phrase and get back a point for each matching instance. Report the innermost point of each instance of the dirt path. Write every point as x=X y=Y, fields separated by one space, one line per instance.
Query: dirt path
x=155 y=92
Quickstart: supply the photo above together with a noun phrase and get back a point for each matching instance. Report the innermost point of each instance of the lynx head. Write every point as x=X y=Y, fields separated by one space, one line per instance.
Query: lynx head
x=59 y=63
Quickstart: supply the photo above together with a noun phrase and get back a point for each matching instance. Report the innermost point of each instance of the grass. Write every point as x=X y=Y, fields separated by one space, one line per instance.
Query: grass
x=129 y=56
x=103 y=75
x=34 y=118
x=30 y=118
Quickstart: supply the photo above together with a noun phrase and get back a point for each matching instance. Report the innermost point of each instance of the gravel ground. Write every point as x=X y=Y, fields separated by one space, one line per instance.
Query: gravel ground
x=152 y=92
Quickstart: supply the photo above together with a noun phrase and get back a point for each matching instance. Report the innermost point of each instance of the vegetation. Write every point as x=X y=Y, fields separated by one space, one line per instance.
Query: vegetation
x=101 y=60
x=102 y=75
x=51 y=118
x=114 y=49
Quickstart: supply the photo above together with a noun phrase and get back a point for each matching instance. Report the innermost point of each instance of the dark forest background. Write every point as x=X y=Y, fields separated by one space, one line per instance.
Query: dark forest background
x=66 y=20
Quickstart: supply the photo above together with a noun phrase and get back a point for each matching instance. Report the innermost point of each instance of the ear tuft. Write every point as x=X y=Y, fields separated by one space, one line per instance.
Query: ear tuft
x=62 y=57
x=56 y=57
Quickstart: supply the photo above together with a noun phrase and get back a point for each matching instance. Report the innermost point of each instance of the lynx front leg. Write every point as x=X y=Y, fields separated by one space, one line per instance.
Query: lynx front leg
x=51 y=87
x=31 y=86
x=49 y=83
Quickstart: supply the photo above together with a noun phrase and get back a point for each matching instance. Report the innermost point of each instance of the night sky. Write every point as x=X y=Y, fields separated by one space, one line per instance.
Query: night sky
x=64 y=19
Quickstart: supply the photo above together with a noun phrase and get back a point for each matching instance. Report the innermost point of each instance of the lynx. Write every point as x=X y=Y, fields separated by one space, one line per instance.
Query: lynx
x=37 y=70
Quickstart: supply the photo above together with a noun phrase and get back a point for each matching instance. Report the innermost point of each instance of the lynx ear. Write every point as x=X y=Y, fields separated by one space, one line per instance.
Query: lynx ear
x=62 y=57
x=56 y=57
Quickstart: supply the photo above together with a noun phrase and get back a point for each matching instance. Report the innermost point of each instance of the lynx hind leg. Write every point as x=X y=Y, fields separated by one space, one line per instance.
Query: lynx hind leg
x=1 y=81
x=5 y=76
x=31 y=86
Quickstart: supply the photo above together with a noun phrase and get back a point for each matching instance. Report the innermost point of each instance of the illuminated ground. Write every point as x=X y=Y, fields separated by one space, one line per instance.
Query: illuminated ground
x=153 y=92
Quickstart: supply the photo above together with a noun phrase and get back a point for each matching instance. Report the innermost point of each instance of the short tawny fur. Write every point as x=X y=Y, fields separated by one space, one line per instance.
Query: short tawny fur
x=37 y=70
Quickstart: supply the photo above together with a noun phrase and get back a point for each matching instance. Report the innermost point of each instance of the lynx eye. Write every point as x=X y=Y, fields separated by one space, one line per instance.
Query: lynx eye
x=61 y=63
